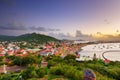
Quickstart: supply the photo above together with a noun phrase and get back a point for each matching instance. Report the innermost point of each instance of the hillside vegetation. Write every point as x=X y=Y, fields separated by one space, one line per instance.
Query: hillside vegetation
x=29 y=38
x=61 y=69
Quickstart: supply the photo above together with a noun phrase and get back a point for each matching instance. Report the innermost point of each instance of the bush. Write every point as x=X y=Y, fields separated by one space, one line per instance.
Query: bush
x=67 y=71
x=51 y=63
x=78 y=75
x=70 y=56
x=56 y=70
x=6 y=77
x=1 y=58
x=33 y=72
x=41 y=72
x=17 y=60
x=30 y=72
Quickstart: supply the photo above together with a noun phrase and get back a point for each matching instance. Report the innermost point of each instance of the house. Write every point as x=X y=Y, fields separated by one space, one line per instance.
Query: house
x=10 y=52
x=45 y=52
x=1 y=54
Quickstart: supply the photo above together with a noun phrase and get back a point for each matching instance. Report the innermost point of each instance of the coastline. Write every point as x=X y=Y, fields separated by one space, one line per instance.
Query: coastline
x=100 y=49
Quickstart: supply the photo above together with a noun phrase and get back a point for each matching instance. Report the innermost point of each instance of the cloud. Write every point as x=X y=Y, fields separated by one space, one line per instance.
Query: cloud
x=16 y=26
x=107 y=37
x=78 y=33
x=62 y=36
x=97 y=36
x=37 y=28
x=81 y=36
x=78 y=36
x=13 y=26
x=42 y=29
x=107 y=21
x=53 y=29
x=12 y=33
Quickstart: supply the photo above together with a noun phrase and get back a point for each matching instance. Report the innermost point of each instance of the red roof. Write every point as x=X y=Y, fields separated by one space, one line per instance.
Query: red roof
x=9 y=50
x=1 y=54
x=107 y=61
x=45 y=50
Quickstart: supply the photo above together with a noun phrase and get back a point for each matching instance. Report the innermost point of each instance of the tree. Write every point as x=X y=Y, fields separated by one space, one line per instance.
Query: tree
x=41 y=72
x=70 y=56
x=1 y=58
x=18 y=61
x=29 y=72
x=31 y=59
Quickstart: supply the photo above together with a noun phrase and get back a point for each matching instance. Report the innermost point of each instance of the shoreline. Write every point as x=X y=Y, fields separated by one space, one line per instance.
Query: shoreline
x=100 y=49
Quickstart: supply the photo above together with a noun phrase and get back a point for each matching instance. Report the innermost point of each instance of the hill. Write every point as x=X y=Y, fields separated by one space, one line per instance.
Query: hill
x=28 y=37
x=6 y=38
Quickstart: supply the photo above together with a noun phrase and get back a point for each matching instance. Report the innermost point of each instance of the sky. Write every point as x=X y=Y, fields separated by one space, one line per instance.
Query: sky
x=60 y=18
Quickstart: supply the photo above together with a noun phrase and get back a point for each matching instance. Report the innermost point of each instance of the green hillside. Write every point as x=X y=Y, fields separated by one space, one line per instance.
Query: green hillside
x=6 y=38
x=34 y=37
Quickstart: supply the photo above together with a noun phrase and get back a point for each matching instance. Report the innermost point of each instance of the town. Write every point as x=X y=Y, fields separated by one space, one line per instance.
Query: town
x=59 y=40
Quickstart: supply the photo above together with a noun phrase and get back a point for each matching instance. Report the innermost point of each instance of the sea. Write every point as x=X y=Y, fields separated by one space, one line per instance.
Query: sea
x=111 y=51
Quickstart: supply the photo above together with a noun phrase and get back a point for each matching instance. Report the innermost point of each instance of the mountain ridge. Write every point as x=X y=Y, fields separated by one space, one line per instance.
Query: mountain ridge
x=28 y=37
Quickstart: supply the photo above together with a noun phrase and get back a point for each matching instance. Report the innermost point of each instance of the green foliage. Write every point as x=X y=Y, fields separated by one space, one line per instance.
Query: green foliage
x=10 y=76
x=70 y=56
x=57 y=59
x=41 y=72
x=11 y=57
x=67 y=71
x=29 y=72
x=70 y=59
x=54 y=60
x=22 y=61
x=31 y=59
x=56 y=70
x=66 y=68
x=6 y=77
x=51 y=63
x=33 y=72
x=30 y=38
x=18 y=61
x=111 y=71
x=6 y=38
x=1 y=58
